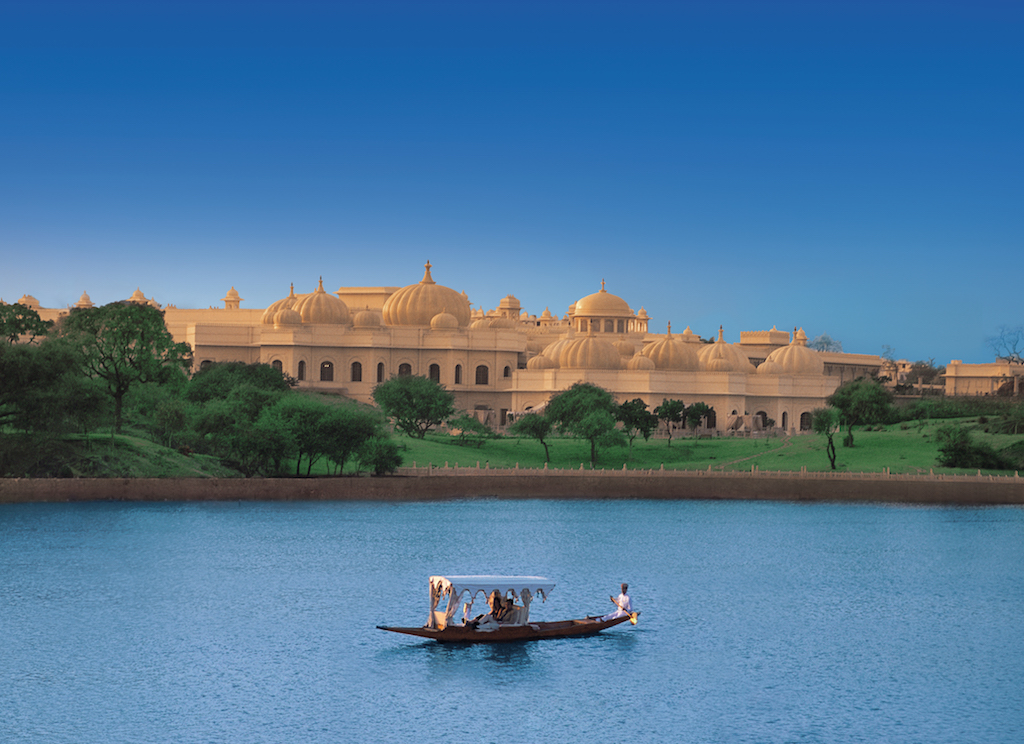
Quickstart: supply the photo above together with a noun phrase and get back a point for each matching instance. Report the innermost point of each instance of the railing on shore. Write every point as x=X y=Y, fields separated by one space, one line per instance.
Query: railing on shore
x=447 y=469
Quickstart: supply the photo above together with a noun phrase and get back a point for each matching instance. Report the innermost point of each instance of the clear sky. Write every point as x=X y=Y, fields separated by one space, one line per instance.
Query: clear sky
x=852 y=168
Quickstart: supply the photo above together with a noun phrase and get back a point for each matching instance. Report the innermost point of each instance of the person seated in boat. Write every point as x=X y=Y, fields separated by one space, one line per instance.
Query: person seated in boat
x=622 y=602
x=491 y=619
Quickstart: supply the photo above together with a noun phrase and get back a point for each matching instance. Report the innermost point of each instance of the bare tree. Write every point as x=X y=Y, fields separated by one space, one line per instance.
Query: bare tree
x=1008 y=343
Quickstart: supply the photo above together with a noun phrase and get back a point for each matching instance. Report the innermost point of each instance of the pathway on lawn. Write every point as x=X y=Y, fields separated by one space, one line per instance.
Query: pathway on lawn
x=787 y=443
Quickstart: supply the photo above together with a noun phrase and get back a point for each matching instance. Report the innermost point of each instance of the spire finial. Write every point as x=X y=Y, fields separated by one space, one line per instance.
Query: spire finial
x=670 y=329
x=427 y=278
x=602 y=285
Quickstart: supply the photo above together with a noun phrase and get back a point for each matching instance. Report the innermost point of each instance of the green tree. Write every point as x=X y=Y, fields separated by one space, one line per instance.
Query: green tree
x=221 y=379
x=535 y=426
x=636 y=419
x=124 y=344
x=303 y=418
x=671 y=411
x=696 y=413
x=380 y=455
x=43 y=388
x=17 y=321
x=416 y=404
x=826 y=421
x=470 y=430
x=585 y=411
x=958 y=450
x=346 y=429
x=861 y=401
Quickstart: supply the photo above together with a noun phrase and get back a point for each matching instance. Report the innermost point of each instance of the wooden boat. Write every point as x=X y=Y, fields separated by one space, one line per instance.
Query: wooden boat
x=518 y=592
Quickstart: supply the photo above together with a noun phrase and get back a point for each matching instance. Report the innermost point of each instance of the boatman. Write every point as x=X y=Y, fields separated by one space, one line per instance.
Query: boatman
x=623 y=602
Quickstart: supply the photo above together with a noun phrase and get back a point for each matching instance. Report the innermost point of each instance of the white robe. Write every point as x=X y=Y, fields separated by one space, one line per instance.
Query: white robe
x=625 y=607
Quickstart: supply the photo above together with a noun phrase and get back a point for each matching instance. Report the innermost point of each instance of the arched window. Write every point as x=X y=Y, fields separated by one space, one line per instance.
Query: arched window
x=458 y=374
x=609 y=326
x=205 y=364
x=710 y=420
x=357 y=372
x=302 y=370
x=326 y=372
x=763 y=418
x=380 y=371
x=785 y=420
x=276 y=364
x=481 y=374
x=404 y=370
x=507 y=372
x=805 y=421
x=622 y=326
x=435 y=373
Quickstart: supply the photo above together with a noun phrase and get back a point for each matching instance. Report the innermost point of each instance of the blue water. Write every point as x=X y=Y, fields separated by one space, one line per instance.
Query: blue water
x=760 y=622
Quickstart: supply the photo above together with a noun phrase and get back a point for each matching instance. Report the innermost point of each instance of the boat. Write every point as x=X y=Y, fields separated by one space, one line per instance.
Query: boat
x=517 y=592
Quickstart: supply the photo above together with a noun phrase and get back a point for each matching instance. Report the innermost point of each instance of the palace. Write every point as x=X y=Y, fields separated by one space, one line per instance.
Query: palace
x=504 y=362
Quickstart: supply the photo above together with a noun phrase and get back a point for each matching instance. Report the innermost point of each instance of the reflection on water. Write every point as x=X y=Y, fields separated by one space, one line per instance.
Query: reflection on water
x=760 y=623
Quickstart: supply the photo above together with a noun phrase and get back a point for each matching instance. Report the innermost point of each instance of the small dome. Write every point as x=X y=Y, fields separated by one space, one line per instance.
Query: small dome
x=724 y=357
x=546 y=313
x=324 y=308
x=535 y=346
x=589 y=352
x=417 y=304
x=480 y=323
x=797 y=359
x=643 y=314
x=287 y=303
x=503 y=323
x=553 y=350
x=444 y=322
x=30 y=301
x=602 y=304
x=640 y=362
x=286 y=317
x=769 y=367
x=689 y=336
x=671 y=353
x=232 y=295
x=541 y=362
x=366 y=318
x=138 y=298
x=84 y=301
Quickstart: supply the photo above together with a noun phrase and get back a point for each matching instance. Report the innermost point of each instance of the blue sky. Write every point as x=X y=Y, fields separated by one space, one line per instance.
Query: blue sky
x=853 y=168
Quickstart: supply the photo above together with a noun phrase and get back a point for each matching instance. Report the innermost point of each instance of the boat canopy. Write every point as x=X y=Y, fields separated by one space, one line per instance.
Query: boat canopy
x=459 y=588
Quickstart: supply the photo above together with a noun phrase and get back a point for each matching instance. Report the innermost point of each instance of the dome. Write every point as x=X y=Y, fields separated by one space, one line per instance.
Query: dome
x=796 y=359
x=286 y=304
x=541 y=362
x=444 y=322
x=602 y=304
x=546 y=313
x=535 y=346
x=366 y=318
x=480 y=323
x=30 y=301
x=84 y=301
x=769 y=367
x=138 y=298
x=689 y=336
x=672 y=353
x=417 y=304
x=554 y=350
x=723 y=357
x=589 y=352
x=624 y=347
x=640 y=362
x=509 y=303
x=503 y=323
x=284 y=317
x=321 y=307
x=232 y=296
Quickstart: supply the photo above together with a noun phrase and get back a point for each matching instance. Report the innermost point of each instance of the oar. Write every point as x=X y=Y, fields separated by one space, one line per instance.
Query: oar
x=632 y=615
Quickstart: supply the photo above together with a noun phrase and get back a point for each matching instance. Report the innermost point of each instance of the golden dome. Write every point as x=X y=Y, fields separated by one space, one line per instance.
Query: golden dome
x=366 y=318
x=796 y=359
x=554 y=350
x=84 y=301
x=589 y=352
x=417 y=304
x=138 y=298
x=286 y=304
x=769 y=367
x=602 y=304
x=624 y=347
x=546 y=313
x=640 y=362
x=723 y=357
x=481 y=323
x=321 y=307
x=541 y=362
x=444 y=322
x=286 y=316
x=232 y=296
x=503 y=323
x=671 y=353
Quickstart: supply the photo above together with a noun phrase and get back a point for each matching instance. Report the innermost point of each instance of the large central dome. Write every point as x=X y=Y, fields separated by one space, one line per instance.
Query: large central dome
x=602 y=304
x=418 y=304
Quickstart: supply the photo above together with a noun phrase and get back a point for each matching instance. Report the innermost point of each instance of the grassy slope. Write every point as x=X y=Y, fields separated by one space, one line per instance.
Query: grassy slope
x=124 y=456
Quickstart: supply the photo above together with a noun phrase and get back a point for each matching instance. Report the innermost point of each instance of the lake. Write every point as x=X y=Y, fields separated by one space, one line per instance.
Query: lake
x=761 y=622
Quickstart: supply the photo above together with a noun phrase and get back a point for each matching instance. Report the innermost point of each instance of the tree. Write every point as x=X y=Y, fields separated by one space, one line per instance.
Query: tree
x=1008 y=343
x=535 y=426
x=124 y=344
x=17 y=320
x=470 y=430
x=824 y=342
x=826 y=421
x=345 y=430
x=696 y=413
x=221 y=379
x=42 y=387
x=380 y=455
x=585 y=411
x=957 y=450
x=636 y=419
x=671 y=411
x=304 y=418
x=861 y=401
x=416 y=404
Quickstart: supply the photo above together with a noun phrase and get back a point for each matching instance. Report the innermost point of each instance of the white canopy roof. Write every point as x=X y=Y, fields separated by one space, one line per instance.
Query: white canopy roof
x=487 y=584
